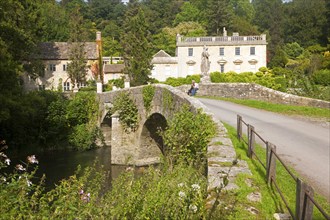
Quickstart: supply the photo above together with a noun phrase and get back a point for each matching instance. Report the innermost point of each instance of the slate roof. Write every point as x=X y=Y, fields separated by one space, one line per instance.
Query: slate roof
x=161 y=57
x=61 y=50
x=113 y=68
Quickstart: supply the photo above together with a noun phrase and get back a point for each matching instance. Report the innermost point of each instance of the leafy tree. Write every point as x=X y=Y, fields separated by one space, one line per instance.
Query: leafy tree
x=269 y=18
x=306 y=22
x=279 y=59
x=166 y=39
x=77 y=67
x=137 y=46
x=293 y=50
x=219 y=15
x=189 y=12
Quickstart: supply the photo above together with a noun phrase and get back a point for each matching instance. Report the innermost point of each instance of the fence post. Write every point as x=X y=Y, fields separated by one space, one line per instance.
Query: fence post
x=270 y=162
x=251 y=140
x=239 y=127
x=304 y=206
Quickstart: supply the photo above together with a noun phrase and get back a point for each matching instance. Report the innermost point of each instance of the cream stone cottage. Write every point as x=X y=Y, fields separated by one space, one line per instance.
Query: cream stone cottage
x=55 y=56
x=226 y=53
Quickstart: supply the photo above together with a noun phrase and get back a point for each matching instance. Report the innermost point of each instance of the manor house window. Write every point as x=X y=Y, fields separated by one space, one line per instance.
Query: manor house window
x=222 y=68
x=222 y=51
x=190 y=52
x=252 y=51
x=237 y=51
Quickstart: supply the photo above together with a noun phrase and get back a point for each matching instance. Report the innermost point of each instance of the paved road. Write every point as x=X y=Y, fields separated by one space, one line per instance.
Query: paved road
x=301 y=143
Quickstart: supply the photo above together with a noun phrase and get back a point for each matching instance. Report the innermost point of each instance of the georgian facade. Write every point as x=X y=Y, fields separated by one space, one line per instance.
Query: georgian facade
x=226 y=53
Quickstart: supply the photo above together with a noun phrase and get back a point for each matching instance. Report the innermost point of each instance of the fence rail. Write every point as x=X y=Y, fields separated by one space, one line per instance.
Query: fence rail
x=304 y=193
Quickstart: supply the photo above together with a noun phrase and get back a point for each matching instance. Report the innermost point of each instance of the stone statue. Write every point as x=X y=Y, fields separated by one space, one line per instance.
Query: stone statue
x=205 y=64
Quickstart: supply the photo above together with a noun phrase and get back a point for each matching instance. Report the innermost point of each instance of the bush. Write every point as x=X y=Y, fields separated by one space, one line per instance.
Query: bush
x=187 y=136
x=182 y=81
x=322 y=77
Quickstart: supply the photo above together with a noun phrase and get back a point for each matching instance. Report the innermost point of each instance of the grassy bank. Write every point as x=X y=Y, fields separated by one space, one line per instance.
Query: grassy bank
x=306 y=111
x=271 y=201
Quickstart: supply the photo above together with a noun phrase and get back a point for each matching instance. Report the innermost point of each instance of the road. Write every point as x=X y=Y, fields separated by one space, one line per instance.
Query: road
x=301 y=143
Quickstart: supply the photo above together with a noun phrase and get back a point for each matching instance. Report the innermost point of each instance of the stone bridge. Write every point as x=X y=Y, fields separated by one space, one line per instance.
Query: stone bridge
x=143 y=146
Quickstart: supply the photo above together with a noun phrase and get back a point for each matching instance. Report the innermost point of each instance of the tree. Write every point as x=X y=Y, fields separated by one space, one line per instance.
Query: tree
x=189 y=12
x=306 y=22
x=137 y=46
x=77 y=67
x=219 y=14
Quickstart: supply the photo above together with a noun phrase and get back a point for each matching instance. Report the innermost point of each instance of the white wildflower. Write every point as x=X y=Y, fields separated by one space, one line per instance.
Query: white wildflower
x=4 y=179
x=3 y=155
x=20 y=167
x=195 y=187
x=193 y=208
x=32 y=159
x=7 y=161
x=182 y=195
x=180 y=184
x=29 y=183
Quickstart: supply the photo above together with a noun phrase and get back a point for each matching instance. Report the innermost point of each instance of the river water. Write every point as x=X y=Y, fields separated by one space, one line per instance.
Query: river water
x=59 y=165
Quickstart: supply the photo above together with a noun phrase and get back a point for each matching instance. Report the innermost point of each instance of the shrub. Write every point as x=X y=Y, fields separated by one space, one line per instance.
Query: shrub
x=322 y=77
x=187 y=136
x=127 y=110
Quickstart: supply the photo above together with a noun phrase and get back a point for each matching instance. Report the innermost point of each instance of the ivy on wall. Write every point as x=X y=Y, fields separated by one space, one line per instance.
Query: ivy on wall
x=167 y=100
x=148 y=93
x=127 y=110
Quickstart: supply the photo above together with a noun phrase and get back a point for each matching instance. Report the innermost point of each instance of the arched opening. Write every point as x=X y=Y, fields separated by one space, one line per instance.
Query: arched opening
x=151 y=143
x=106 y=126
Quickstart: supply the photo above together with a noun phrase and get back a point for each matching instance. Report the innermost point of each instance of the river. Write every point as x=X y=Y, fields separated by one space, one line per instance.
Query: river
x=59 y=165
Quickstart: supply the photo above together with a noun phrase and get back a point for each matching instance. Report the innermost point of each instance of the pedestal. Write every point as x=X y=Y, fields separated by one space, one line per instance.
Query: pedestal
x=205 y=79
x=99 y=88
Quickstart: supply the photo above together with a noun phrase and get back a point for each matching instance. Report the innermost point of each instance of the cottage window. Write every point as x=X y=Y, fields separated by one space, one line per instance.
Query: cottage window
x=237 y=51
x=52 y=67
x=190 y=52
x=252 y=51
x=222 y=51
x=64 y=67
x=81 y=84
x=66 y=86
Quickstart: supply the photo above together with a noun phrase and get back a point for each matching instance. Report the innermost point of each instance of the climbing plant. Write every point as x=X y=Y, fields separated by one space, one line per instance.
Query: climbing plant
x=167 y=100
x=127 y=110
x=148 y=93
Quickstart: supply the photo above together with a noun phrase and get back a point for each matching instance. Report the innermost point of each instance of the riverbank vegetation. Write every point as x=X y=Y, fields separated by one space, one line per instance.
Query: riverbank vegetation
x=175 y=190
x=47 y=120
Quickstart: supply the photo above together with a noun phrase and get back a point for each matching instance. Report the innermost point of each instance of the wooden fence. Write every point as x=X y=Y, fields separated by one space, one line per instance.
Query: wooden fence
x=304 y=193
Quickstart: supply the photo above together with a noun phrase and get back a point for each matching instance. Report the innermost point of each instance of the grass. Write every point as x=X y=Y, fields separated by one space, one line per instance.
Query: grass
x=271 y=201
x=314 y=112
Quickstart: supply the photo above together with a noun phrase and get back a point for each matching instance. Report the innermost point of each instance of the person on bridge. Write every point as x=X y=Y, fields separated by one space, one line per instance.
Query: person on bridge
x=193 y=89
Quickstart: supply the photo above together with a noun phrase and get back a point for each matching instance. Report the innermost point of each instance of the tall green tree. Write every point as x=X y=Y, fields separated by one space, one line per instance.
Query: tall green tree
x=137 y=46
x=269 y=18
x=219 y=14
x=307 y=22
x=77 y=67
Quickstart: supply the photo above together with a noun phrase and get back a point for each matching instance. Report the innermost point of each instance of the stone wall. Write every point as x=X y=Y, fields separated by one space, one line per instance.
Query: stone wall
x=254 y=92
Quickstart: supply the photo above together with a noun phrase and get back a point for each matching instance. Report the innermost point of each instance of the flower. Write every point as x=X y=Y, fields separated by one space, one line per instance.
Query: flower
x=81 y=192
x=182 y=195
x=3 y=155
x=180 y=184
x=28 y=182
x=7 y=161
x=195 y=187
x=32 y=159
x=20 y=167
x=193 y=208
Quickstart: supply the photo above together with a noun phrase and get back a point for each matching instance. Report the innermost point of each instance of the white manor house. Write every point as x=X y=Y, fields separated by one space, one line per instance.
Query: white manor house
x=226 y=53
